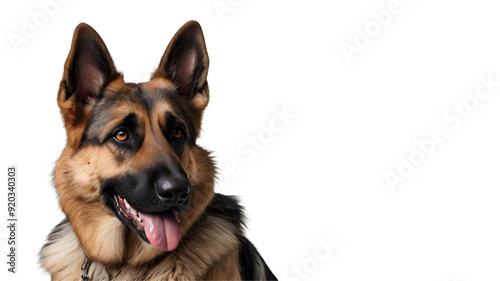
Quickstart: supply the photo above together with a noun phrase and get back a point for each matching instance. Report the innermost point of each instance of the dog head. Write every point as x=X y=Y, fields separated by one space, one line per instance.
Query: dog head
x=131 y=179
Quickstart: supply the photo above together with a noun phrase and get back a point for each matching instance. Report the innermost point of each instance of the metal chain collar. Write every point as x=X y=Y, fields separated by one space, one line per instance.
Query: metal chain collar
x=85 y=269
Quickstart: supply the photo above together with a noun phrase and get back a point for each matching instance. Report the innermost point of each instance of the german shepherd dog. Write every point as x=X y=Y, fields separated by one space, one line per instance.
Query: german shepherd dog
x=136 y=189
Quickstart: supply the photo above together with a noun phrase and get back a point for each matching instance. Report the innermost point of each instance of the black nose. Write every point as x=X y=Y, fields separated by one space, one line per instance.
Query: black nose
x=174 y=191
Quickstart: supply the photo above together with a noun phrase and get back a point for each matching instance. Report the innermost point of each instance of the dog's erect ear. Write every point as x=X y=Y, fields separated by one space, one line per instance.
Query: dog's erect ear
x=185 y=62
x=88 y=69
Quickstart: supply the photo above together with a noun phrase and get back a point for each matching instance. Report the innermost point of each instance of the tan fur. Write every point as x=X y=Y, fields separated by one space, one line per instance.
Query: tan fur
x=210 y=242
x=197 y=258
x=80 y=204
x=227 y=269
x=64 y=258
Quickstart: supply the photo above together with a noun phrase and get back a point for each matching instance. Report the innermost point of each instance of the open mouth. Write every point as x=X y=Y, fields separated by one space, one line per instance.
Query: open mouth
x=161 y=229
x=128 y=212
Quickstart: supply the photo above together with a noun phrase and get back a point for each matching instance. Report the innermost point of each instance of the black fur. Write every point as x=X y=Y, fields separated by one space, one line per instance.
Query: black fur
x=121 y=120
x=56 y=232
x=252 y=265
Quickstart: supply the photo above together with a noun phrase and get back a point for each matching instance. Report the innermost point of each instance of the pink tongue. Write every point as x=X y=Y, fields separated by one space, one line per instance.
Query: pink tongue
x=163 y=231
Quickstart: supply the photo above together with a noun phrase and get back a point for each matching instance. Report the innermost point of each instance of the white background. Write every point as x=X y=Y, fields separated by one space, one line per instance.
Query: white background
x=320 y=178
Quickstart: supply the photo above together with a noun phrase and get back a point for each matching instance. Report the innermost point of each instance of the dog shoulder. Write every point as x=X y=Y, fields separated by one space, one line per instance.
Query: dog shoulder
x=251 y=264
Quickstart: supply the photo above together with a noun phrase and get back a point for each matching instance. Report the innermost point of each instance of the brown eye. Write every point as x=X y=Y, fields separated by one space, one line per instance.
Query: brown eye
x=177 y=134
x=121 y=135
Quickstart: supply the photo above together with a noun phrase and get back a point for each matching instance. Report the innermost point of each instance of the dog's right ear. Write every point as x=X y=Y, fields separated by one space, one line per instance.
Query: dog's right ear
x=87 y=71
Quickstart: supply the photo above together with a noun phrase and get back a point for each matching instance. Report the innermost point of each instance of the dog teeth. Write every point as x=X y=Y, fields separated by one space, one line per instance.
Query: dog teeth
x=133 y=211
x=129 y=208
x=127 y=205
x=139 y=220
x=116 y=201
x=130 y=213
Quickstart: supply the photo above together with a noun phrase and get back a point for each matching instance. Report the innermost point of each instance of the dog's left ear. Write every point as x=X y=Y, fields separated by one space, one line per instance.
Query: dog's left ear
x=185 y=62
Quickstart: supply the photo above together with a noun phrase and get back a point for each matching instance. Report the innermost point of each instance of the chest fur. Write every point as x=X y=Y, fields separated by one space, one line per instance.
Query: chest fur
x=211 y=246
